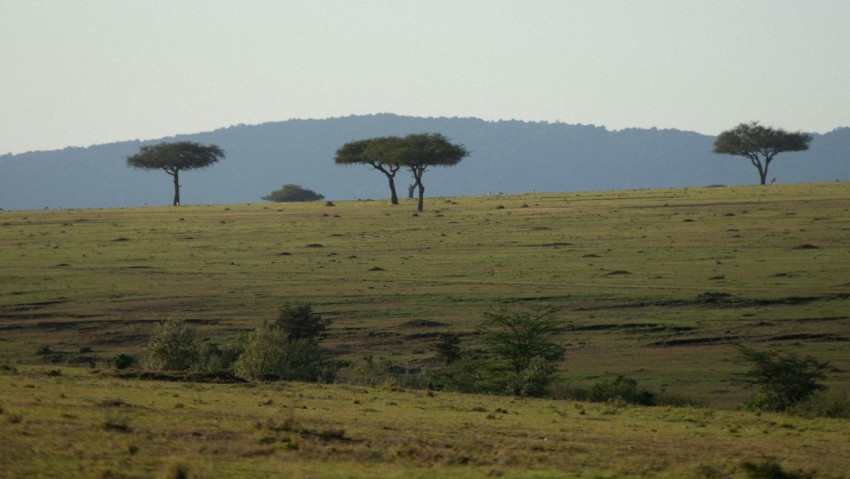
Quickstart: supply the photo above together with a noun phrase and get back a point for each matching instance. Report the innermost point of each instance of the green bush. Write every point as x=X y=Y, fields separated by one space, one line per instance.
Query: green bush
x=213 y=359
x=368 y=371
x=621 y=388
x=291 y=192
x=448 y=347
x=172 y=347
x=286 y=349
x=770 y=470
x=465 y=375
x=783 y=379
x=123 y=361
x=835 y=404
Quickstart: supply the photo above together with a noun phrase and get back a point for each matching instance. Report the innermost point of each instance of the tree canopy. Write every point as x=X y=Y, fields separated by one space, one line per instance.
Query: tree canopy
x=784 y=379
x=760 y=144
x=416 y=152
x=379 y=153
x=420 y=151
x=174 y=158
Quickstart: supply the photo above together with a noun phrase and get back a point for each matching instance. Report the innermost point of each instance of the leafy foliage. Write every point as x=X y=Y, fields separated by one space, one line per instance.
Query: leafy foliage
x=293 y=193
x=286 y=349
x=172 y=347
x=300 y=323
x=379 y=153
x=448 y=347
x=784 y=379
x=122 y=361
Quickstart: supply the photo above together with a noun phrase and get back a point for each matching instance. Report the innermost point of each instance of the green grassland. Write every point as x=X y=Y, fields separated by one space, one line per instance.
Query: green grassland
x=70 y=423
x=656 y=284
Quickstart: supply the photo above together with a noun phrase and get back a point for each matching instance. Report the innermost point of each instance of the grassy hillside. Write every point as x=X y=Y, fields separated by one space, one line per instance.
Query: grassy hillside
x=70 y=423
x=656 y=284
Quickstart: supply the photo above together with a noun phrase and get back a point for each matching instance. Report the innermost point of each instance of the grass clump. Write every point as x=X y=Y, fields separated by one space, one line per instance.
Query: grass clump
x=117 y=423
x=769 y=469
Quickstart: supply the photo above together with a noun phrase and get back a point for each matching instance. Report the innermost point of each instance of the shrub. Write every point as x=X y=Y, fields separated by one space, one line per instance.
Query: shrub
x=784 y=379
x=448 y=347
x=213 y=359
x=122 y=361
x=287 y=349
x=835 y=404
x=291 y=193
x=621 y=388
x=299 y=322
x=466 y=375
x=368 y=371
x=770 y=470
x=172 y=347
x=535 y=379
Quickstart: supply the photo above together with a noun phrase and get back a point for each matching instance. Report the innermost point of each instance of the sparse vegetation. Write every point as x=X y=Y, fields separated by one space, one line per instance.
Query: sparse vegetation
x=222 y=271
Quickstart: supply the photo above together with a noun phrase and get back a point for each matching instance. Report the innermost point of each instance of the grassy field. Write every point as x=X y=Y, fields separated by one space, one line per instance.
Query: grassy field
x=656 y=284
x=69 y=422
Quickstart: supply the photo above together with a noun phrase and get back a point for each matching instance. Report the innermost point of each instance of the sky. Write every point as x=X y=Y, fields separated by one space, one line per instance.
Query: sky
x=84 y=72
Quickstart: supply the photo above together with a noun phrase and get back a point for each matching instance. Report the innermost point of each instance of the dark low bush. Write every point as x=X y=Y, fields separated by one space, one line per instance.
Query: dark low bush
x=621 y=388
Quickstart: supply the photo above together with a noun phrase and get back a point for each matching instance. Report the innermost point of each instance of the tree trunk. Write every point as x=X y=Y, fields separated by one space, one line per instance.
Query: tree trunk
x=393 y=195
x=421 y=196
x=761 y=167
x=176 y=176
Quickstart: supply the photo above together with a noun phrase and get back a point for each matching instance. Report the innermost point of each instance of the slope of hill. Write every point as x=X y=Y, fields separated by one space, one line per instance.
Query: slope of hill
x=507 y=156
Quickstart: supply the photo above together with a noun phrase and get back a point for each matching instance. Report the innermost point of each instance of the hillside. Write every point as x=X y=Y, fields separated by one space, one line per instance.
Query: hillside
x=507 y=156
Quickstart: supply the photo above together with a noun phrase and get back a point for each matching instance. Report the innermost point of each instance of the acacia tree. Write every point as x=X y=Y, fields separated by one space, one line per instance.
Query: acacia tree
x=420 y=151
x=174 y=158
x=783 y=378
x=526 y=341
x=379 y=153
x=759 y=144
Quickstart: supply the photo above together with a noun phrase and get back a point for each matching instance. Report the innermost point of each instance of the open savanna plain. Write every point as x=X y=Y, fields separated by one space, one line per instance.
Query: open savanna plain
x=659 y=285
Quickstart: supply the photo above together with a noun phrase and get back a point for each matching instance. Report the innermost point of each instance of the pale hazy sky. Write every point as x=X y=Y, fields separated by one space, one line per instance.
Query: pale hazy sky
x=82 y=72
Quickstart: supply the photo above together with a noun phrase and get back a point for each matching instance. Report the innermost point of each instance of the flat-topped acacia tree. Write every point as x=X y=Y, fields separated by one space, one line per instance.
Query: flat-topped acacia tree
x=174 y=158
x=379 y=153
x=760 y=144
x=424 y=150
x=416 y=152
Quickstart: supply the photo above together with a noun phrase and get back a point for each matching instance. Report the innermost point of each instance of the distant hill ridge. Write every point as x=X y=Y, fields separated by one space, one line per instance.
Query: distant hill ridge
x=506 y=156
